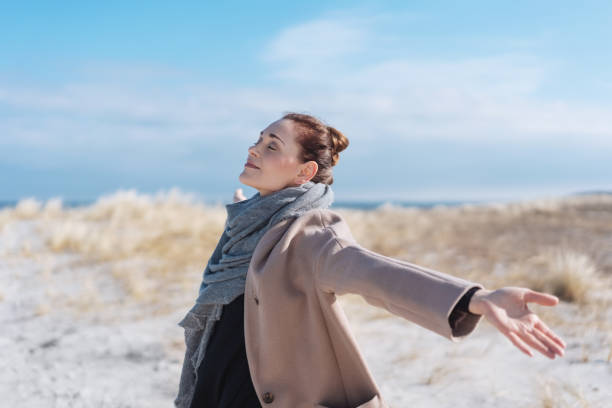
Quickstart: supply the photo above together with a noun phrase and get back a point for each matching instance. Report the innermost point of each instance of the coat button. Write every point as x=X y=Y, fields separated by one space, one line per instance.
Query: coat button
x=256 y=300
x=268 y=397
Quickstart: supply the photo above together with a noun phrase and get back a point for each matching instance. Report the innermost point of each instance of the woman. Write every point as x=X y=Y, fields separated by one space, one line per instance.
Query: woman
x=276 y=336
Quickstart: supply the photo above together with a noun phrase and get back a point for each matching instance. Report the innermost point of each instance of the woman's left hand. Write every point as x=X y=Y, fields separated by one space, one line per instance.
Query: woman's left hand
x=507 y=310
x=238 y=195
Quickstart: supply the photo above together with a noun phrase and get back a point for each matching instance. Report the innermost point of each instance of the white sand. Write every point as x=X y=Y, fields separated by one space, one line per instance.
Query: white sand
x=68 y=341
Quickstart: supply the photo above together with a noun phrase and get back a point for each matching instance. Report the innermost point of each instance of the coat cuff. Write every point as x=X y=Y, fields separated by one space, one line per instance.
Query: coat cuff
x=461 y=320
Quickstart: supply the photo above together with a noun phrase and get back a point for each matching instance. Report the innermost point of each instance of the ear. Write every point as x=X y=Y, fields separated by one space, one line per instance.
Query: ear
x=307 y=171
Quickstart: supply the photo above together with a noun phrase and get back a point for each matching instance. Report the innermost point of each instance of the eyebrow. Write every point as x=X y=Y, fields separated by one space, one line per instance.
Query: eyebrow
x=272 y=135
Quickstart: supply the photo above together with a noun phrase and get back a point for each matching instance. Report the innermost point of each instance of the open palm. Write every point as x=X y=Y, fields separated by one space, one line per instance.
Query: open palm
x=507 y=310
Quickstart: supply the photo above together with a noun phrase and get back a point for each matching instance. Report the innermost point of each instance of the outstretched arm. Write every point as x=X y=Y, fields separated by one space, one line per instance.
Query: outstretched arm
x=422 y=295
x=506 y=309
x=430 y=298
x=238 y=195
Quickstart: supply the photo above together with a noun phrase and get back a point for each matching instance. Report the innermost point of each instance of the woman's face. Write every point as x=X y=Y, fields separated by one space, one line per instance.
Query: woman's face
x=275 y=160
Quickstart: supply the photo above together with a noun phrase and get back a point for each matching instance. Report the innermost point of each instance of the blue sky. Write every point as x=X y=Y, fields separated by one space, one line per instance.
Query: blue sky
x=440 y=100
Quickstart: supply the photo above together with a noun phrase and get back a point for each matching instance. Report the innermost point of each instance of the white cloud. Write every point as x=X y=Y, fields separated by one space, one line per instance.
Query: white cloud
x=329 y=67
x=316 y=40
x=306 y=51
x=491 y=97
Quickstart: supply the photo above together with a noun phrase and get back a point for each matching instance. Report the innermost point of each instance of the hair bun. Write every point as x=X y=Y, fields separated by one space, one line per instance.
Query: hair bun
x=339 y=142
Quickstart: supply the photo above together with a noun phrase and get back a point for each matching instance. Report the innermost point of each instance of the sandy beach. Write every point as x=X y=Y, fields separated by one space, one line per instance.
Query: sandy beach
x=90 y=298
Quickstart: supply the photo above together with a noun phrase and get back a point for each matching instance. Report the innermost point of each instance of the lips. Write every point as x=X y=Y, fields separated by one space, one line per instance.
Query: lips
x=249 y=164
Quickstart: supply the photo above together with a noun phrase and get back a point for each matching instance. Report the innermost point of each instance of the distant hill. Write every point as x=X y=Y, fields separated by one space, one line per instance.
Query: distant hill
x=591 y=192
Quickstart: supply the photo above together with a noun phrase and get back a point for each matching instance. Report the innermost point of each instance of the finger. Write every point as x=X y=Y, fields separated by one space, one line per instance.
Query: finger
x=534 y=342
x=544 y=329
x=552 y=346
x=541 y=298
x=519 y=343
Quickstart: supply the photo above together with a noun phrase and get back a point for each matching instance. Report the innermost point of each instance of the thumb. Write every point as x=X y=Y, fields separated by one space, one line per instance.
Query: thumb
x=541 y=298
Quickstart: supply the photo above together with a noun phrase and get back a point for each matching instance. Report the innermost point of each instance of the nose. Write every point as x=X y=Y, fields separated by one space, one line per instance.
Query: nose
x=253 y=150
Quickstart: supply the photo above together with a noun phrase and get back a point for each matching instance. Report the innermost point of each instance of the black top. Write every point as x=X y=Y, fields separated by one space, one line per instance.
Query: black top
x=224 y=380
x=461 y=312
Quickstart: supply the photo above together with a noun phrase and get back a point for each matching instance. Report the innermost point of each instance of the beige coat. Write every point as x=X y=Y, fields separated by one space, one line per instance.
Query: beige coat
x=299 y=346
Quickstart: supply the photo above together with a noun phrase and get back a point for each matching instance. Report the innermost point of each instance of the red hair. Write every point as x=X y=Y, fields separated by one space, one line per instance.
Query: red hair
x=320 y=143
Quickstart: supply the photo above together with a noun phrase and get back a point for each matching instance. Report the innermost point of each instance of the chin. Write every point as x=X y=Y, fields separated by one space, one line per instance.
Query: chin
x=245 y=181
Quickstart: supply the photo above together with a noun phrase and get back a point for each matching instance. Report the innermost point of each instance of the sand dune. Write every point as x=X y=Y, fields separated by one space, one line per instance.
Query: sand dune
x=90 y=298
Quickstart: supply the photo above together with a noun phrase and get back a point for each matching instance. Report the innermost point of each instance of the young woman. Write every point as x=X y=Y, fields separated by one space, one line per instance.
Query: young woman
x=266 y=329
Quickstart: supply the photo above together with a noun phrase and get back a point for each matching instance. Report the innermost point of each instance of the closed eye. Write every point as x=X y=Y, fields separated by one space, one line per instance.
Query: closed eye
x=271 y=146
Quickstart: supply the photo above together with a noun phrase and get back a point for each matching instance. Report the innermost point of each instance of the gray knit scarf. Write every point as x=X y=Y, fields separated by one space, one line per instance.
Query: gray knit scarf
x=247 y=221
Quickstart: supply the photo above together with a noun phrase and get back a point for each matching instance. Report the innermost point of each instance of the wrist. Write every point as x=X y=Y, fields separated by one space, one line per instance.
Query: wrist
x=476 y=302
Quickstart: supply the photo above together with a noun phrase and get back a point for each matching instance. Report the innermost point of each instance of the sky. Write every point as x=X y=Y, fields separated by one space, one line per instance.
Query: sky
x=440 y=100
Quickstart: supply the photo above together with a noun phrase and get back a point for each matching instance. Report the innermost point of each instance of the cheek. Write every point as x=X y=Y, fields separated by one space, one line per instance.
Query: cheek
x=281 y=163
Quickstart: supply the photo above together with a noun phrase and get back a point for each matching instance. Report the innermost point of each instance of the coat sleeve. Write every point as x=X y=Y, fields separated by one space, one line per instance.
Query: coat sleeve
x=422 y=295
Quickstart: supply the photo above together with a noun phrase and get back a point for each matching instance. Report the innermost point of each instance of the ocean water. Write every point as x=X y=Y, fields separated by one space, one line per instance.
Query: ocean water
x=359 y=205
x=352 y=204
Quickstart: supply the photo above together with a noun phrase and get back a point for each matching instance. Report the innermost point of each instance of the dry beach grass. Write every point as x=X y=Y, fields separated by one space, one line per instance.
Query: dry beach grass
x=135 y=261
